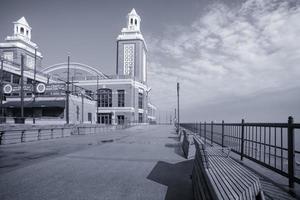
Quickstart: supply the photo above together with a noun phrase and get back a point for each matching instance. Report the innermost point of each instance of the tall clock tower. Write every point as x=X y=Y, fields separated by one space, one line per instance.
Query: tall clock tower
x=132 y=50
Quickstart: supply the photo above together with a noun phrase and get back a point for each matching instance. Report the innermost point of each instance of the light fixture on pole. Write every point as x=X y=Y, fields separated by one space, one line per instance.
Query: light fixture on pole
x=68 y=91
x=2 y=95
x=178 y=121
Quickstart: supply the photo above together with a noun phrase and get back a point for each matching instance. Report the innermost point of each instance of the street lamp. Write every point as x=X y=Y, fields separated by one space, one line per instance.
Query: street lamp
x=68 y=91
x=178 y=121
x=1 y=87
x=34 y=89
x=97 y=99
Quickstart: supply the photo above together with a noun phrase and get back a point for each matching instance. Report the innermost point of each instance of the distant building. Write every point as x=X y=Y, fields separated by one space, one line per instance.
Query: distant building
x=15 y=46
x=45 y=99
x=105 y=99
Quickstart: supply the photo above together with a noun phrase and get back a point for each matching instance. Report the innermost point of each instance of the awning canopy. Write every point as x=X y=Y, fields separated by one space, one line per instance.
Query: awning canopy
x=37 y=104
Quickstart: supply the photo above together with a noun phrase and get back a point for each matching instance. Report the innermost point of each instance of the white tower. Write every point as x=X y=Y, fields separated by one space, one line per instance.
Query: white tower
x=20 y=44
x=134 y=20
x=22 y=28
x=132 y=50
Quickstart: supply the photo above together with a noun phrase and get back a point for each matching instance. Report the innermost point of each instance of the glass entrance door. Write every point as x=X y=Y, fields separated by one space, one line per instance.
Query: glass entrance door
x=104 y=118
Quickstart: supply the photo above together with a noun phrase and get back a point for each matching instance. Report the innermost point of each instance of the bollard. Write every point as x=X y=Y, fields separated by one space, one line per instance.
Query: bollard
x=242 y=140
x=291 y=152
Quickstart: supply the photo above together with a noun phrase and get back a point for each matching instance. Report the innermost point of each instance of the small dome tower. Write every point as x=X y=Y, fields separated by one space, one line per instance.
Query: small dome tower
x=22 y=28
x=134 y=21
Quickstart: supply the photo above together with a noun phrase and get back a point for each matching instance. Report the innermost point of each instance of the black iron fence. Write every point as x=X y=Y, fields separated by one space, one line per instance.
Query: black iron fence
x=271 y=145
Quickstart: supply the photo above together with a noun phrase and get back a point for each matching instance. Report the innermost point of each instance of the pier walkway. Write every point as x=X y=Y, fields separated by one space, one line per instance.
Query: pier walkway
x=142 y=162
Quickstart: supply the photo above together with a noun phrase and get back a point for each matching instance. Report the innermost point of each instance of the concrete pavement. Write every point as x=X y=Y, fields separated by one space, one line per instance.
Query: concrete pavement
x=143 y=162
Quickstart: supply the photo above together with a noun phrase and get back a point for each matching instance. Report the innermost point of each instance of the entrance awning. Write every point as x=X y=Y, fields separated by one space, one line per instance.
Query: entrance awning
x=37 y=104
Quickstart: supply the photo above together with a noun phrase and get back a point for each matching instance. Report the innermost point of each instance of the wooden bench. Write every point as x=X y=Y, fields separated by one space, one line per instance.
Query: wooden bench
x=217 y=176
x=187 y=143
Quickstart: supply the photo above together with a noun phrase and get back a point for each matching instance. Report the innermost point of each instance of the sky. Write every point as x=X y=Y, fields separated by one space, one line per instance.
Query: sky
x=234 y=59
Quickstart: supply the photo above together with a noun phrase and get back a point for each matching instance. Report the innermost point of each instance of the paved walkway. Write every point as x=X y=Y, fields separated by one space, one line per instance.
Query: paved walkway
x=142 y=162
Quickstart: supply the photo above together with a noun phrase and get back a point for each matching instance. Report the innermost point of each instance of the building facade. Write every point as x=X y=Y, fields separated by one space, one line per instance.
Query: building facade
x=125 y=96
x=107 y=99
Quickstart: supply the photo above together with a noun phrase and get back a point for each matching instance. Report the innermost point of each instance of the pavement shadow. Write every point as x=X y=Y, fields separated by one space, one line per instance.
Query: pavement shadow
x=176 y=138
x=177 y=177
x=177 y=148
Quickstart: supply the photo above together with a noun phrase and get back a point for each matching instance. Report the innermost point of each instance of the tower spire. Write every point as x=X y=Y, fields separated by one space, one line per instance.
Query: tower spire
x=133 y=21
x=22 y=28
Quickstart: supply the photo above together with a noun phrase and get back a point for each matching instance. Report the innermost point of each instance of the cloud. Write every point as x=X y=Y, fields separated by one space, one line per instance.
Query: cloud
x=227 y=53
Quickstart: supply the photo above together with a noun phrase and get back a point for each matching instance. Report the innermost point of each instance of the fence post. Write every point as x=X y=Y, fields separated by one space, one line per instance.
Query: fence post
x=205 y=132
x=291 y=152
x=212 y=133
x=200 y=129
x=222 y=133
x=1 y=136
x=39 y=134
x=22 y=136
x=242 y=140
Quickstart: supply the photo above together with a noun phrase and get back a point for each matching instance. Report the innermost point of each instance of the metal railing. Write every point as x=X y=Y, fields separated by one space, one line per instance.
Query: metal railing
x=271 y=145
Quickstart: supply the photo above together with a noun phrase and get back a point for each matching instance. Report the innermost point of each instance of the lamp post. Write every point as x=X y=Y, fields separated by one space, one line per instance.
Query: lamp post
x=68 y=91
x=22 y=89
x=34 y=89
x=1 y=87
x=178 y=121
x=97 y=99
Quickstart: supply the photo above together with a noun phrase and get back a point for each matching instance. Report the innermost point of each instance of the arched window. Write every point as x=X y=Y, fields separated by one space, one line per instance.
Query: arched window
x=104 y=97
x=135 y=21
x=131 y=21
x=27 y=32
x=22 y=30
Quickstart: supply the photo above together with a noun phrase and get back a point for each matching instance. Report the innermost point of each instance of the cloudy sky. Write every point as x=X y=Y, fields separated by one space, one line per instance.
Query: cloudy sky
x=234 y=59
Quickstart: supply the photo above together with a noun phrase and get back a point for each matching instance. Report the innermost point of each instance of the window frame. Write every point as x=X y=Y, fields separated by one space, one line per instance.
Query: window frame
x=121 y=98
x=104 y=97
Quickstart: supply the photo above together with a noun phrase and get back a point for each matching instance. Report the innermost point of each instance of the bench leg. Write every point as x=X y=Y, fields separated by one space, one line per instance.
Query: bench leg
x=260 y=196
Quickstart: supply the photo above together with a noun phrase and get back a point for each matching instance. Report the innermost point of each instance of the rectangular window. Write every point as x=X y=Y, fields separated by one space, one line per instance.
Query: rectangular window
x=121 y=98
x=120 y=119
x=105 y=118
x=144 y=66
x=8 y=55
x=105 y=98
x=16 y=79
x=129 y=59
x=140 y=117
x=89 y=117
x=29 y=62
x=140 y=100
x=7 y=76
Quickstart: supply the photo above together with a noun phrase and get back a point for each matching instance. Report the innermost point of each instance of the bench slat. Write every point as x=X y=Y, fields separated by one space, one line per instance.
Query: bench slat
x=223 y=176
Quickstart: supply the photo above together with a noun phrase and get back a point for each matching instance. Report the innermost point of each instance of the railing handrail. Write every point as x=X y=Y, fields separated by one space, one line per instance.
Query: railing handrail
x=268 y=144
